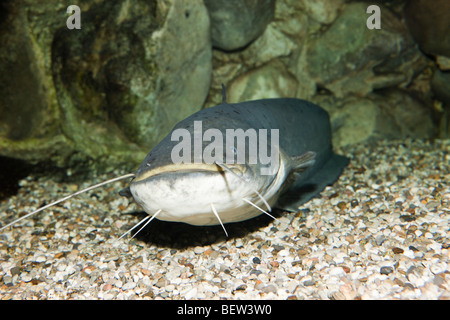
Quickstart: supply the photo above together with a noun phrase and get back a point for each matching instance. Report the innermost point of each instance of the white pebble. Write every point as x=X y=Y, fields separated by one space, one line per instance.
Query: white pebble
x=192 y=293
x=409 y=253
x=129 y=285
x=336 y=271
x=170 y=288
x=199 y=250
x=40 y=259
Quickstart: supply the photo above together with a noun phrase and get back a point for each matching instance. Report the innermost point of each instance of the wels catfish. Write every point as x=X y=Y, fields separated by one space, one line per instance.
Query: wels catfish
x=200 y=192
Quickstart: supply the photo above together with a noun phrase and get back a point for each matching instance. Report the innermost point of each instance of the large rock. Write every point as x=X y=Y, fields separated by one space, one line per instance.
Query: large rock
x=269 y=81
x=109 y=91
x=440 y=83
x=270 y=46
x=429 y=23
x=322 y=11
x=387 y=114
x=235 y=23
x=349 y=58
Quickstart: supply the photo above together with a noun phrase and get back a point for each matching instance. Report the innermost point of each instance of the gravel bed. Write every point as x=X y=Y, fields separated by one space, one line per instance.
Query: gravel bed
x=380 y=232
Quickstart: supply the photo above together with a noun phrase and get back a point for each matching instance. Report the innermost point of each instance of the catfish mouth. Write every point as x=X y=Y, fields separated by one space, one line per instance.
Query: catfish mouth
x=187 y=168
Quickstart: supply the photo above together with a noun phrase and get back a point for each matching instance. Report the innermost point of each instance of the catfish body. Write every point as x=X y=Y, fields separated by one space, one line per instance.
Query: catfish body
x=303 y=127
x=205 y=193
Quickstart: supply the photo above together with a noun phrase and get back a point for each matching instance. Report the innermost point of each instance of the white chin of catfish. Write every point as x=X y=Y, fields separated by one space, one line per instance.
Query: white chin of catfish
x=188 y=197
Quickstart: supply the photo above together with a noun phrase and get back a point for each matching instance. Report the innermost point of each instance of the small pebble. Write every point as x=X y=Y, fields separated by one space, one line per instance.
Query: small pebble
x=170 y=288
x=129 y=286
x=269 y=288
x=192 y=293
x=255 y=272
x=397 y=250
x=309 y=283
x=40 y=259
x=277 y=247
x=256 y=260
x=242 y=287
x=386 y=270
x=7 y=280
x=14 y=271
x=199 y=250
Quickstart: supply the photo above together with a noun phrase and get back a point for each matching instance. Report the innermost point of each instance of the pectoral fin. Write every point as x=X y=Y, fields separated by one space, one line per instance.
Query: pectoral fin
x=303 y=161
x=298 y=165
x=305 y=188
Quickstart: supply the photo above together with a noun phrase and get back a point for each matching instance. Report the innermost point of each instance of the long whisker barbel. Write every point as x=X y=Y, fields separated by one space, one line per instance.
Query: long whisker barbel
x=218 y=218
x=129 y=175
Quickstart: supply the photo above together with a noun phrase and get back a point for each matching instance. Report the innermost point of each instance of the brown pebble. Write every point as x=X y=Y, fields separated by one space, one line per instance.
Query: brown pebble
x=149 y=294
x=360 y=170
x=91 y=268
x=189 y=265
x=397 y=250
x=107 y=287
x=302 y=252
x=296 y=263
x=342 y=205
x=338 y=296
x=242 y=287
x=60 y=255
x=350 y=239
x=411 y=210
x=334 y=195
x=259 y=284
x=146 y=272
x=346 y=269
x=161 y=283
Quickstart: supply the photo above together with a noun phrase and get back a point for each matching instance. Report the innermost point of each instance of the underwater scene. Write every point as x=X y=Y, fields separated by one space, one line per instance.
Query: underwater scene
x=225 y=150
